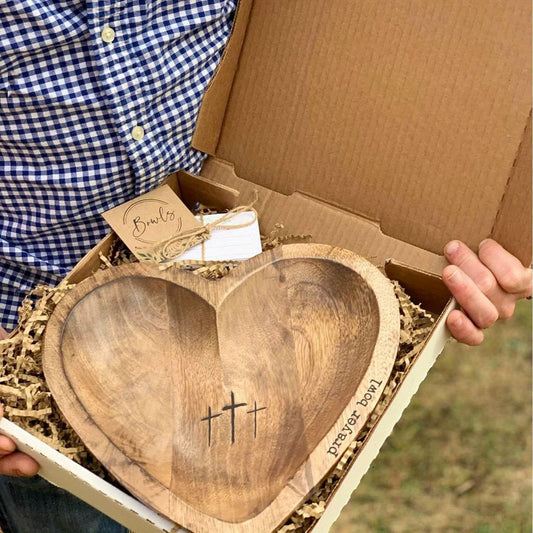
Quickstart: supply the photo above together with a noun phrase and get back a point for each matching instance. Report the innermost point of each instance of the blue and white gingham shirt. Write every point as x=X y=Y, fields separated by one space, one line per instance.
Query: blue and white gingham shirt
x=98 y=104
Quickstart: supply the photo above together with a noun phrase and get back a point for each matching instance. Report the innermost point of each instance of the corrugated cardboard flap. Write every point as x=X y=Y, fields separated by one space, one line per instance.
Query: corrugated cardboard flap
x=412 y=114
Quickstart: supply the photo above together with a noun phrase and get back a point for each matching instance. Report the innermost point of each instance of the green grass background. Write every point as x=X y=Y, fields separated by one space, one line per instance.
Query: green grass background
x=459 y=460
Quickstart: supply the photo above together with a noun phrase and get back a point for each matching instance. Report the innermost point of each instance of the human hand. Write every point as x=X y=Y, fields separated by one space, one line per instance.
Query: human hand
x=13 y=462
x=486 y=285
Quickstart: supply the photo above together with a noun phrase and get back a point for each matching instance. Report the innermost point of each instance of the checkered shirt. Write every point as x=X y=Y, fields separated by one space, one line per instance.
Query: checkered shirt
x=70 y=97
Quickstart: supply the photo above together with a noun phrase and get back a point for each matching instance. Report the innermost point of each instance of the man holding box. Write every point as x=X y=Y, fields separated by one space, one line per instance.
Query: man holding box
x=99 y=102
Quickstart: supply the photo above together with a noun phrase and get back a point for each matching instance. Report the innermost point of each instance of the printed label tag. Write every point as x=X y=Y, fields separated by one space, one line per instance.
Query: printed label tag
x=149 y=219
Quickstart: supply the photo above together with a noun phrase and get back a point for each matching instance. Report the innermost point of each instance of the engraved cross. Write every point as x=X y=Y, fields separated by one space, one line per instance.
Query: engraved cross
x=210 y=417
x=232 y=406
x=255 y=410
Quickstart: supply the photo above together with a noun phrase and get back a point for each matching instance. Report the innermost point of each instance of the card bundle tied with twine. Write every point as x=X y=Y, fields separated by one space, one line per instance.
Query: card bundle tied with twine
x=170 y=250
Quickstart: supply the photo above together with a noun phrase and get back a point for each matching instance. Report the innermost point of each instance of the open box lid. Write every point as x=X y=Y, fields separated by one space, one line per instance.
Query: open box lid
x=415 y=115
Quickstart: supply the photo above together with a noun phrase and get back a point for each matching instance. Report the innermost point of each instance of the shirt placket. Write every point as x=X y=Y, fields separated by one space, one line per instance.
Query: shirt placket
x=114 y=34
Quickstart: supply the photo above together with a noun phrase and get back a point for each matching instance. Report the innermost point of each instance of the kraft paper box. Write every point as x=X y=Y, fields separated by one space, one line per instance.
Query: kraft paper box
x=387 y=128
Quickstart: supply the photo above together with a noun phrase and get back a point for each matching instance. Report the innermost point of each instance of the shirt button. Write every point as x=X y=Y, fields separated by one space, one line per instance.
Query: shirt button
x=137 y=132
x=108 y=34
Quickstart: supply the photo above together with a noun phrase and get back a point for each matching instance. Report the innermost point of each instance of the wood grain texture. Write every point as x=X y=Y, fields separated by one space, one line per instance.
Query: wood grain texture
x=222 y=404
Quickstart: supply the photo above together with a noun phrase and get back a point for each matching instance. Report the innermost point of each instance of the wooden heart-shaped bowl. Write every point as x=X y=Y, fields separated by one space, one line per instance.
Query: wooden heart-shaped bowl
x=223 y=403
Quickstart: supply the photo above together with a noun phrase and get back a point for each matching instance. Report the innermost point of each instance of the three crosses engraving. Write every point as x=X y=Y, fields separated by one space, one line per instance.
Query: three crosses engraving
x=231 y=407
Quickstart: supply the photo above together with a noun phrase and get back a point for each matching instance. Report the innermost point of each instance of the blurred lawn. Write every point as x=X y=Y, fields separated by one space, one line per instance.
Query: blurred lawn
x=459 y=460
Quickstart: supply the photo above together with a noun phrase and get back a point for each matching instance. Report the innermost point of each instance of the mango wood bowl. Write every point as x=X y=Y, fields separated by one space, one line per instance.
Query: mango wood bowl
x=223 y=403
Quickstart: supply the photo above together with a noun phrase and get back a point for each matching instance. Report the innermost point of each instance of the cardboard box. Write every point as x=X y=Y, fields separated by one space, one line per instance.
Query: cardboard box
x=387 y=128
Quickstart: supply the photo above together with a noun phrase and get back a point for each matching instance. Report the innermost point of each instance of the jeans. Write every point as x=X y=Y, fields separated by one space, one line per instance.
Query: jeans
x=32 y=505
